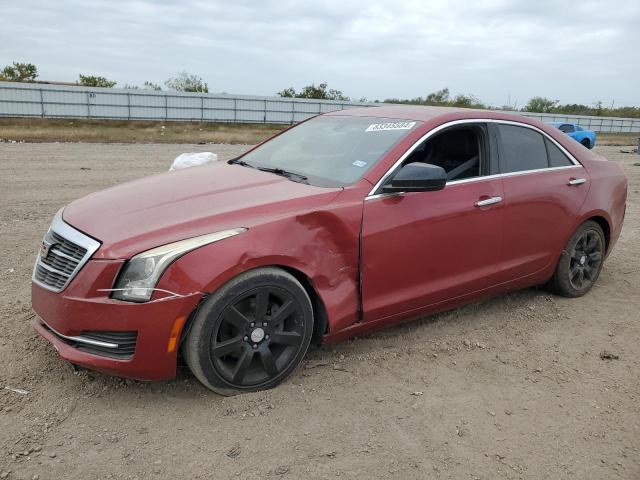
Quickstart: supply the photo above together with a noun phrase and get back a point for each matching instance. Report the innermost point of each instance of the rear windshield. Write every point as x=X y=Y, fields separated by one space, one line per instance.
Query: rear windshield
x=331 y=150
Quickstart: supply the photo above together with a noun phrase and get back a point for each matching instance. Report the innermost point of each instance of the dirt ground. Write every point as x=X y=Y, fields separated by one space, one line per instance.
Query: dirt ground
x=511 y=388
x=140 y=131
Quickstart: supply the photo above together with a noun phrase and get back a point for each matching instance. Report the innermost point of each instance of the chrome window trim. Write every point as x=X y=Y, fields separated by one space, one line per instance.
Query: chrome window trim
x=77 y=339
x=68 y=232
x=576 y=164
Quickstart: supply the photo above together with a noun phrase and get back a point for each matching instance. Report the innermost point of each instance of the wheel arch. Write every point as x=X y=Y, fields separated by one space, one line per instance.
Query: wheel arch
x=606 y=229
x=321 y=318
x=602 y=219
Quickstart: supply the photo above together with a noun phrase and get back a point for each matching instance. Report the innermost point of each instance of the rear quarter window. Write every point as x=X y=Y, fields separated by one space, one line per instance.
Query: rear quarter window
x=556 y=157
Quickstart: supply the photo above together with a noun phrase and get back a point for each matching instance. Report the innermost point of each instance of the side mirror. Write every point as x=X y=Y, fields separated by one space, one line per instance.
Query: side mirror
x=417 y=177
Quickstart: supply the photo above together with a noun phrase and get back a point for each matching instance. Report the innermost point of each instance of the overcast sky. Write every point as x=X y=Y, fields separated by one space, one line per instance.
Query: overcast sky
x=574 y=51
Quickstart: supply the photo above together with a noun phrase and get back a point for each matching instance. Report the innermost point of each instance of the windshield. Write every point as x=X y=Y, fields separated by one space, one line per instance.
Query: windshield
x=330 y=150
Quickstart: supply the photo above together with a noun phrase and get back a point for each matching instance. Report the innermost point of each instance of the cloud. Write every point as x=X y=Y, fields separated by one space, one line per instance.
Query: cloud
x=575 y=52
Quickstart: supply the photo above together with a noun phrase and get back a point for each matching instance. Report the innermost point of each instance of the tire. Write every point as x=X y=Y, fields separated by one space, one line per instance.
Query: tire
x=580 y=262
x=251 y=333
x=586 y=142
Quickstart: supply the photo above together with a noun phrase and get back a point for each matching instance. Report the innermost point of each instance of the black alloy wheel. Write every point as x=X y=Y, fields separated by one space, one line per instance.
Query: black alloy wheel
x=252 y=333
x=586 y=259
x=261 y=324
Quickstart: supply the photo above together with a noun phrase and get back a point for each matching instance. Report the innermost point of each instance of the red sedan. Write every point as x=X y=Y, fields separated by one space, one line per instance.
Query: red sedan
x=347 y=222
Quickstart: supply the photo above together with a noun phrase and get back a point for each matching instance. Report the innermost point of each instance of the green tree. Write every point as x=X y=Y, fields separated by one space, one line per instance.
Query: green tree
x=185 y=82
x=19 y=72
x=321 y=92
x=151 y=86
x=441 y=97
x=95 y=81
x=466 y=101
x=288 y=92
x=540 y=105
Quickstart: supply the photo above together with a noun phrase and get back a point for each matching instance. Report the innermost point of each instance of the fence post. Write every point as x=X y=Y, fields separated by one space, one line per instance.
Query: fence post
x=265 y=112
x=293 y=112
x=128 y=106
x=235 y=110
x=202 y=109
x=41 y=103
x=166 y=107
x=88 y=105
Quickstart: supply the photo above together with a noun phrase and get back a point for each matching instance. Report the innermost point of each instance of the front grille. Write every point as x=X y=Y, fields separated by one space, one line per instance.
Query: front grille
x=126 y=342
x=64 y=252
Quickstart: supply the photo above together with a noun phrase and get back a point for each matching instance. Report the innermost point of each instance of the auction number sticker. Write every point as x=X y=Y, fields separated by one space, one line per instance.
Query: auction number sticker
x=378 y=127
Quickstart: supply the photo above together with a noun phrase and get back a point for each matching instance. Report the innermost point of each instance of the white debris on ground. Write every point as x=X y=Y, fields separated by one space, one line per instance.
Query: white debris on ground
x=192 y=159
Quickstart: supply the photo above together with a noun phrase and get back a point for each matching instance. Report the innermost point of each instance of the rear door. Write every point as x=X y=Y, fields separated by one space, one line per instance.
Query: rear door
x=544 y=189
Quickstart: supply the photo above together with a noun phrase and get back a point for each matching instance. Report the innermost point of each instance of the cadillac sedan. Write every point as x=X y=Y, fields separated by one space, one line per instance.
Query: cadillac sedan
x=345 y=223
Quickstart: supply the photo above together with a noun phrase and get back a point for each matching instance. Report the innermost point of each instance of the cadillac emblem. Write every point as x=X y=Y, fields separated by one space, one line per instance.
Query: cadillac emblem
x=44 y=249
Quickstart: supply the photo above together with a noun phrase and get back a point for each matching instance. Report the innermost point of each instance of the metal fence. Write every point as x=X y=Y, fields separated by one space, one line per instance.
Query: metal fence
x=595 y=123
x=65 y=101
x=62 y=101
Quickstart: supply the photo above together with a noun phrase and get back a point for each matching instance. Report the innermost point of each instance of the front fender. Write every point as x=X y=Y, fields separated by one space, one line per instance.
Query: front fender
x=323 y=245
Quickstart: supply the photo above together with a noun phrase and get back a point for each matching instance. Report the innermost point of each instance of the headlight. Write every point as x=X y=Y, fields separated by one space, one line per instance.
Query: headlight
x=140 y=275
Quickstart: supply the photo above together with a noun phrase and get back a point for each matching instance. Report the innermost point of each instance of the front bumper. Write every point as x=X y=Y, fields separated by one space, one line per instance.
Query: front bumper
x=82 y=307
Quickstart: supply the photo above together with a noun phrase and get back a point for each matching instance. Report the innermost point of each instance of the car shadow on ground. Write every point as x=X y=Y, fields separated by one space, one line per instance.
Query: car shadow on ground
x=458 y=321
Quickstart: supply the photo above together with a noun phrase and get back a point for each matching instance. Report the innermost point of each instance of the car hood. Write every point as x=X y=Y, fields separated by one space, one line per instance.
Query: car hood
x=171 y=206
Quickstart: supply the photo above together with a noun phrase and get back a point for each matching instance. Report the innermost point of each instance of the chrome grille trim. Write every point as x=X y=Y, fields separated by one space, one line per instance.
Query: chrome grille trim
x=67 y=250
x=80 y=339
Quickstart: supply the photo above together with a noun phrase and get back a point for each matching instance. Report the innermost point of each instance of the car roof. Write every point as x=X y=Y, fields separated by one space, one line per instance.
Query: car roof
x=425 y=113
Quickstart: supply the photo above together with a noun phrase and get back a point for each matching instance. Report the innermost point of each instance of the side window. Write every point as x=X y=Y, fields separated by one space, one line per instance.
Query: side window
x=556 y=157
x=460 y=151
x=522 y=149
x=566 y=128
x=579 y=128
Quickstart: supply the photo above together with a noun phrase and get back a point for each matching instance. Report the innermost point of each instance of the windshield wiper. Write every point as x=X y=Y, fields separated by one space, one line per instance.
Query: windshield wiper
x=242 y=163
x=295 y=177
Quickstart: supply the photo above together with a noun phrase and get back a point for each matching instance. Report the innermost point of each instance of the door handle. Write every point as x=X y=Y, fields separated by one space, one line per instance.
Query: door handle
x=576 y=181
x=488 y=201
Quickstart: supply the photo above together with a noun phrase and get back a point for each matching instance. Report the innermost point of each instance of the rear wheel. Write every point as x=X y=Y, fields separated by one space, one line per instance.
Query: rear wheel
x=586 y=142
x=251 y=333
x=581 y=261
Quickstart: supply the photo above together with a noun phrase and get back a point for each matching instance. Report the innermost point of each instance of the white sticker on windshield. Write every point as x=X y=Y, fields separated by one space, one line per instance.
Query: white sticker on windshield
x=359 y=163
x=377 y=127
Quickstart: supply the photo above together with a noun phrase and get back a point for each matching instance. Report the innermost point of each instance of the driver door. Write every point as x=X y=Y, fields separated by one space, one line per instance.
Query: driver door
x=423 y=248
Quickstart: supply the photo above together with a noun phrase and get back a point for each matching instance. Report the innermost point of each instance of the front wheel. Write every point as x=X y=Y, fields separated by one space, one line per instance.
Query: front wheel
x=251 y=333
x=586 y=142
x=581 y=261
